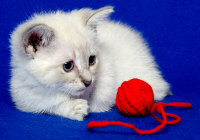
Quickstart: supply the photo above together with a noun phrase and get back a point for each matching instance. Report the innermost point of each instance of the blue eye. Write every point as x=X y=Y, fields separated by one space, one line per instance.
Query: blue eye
x=92 y=60
x=68 y=66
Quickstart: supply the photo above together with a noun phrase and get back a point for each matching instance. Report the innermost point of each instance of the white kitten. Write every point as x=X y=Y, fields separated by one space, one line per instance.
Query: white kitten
x=71 y=63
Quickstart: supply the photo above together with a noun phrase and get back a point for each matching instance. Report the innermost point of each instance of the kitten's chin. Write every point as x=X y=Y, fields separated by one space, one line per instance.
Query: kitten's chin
x=78 y=93
x=81 y=93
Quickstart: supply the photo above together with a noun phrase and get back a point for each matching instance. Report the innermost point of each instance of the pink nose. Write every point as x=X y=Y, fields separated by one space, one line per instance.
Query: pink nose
x=87 y=83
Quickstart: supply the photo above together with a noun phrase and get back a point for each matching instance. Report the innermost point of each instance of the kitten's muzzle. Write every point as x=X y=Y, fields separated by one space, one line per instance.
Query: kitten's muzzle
x=86 y=78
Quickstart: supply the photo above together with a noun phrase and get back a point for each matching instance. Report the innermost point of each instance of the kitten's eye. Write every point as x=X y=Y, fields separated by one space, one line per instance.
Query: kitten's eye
x=68 y=66
x=92 y=60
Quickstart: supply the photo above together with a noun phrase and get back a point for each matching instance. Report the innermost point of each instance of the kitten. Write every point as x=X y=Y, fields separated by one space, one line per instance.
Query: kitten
x=69 y=64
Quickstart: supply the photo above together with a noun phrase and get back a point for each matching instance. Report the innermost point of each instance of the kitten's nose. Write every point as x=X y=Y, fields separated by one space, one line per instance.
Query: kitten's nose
x=87 y=83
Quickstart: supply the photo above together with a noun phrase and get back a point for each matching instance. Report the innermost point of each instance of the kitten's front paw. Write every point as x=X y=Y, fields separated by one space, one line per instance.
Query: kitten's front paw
x=75 y=109
x=79 y=110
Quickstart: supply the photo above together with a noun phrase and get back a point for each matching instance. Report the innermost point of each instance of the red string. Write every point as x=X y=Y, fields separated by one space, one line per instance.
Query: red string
x=159 y=107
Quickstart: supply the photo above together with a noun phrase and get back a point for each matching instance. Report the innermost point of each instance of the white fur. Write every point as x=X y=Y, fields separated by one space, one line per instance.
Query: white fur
x=40 y=85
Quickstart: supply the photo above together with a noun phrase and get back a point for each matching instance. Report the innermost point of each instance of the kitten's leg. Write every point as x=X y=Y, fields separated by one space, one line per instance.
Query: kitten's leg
x=104 y=94
x=75 y=109
x=58 y=104
x=102 y=100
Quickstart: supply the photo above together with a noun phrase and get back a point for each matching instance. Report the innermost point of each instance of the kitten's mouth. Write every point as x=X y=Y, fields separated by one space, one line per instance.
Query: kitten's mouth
x=80 y=90
x=77 y=91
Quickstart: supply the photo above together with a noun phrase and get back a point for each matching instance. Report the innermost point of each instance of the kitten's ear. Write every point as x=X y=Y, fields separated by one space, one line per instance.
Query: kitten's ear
x=94 y=17
x=37 y=36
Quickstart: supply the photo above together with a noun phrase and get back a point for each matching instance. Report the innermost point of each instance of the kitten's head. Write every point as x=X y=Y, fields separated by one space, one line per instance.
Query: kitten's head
x=60 y=49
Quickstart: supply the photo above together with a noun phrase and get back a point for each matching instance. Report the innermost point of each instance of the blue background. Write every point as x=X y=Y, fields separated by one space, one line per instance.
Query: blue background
x=172 y=30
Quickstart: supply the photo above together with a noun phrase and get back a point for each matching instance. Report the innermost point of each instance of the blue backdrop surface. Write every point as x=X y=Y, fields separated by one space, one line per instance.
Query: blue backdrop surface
x=172 y=30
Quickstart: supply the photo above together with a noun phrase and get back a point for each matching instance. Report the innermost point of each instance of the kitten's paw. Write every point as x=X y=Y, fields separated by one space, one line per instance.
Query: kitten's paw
x=79 y=110
x=74 y=109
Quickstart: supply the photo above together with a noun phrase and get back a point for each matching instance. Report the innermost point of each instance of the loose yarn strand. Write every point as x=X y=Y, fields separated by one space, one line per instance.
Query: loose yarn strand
x=159 y=107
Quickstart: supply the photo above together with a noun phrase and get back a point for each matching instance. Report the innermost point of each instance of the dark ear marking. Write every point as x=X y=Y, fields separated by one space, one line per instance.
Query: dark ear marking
x=37 y=36
x=34 y=40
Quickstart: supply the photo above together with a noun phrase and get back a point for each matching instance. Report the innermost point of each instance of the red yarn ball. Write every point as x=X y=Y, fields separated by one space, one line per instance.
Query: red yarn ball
x=135 y=98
